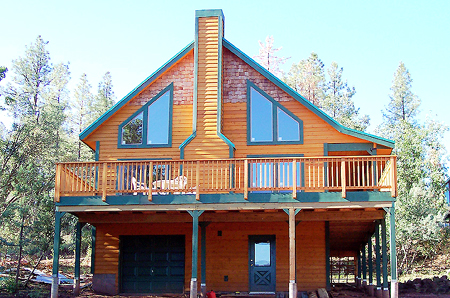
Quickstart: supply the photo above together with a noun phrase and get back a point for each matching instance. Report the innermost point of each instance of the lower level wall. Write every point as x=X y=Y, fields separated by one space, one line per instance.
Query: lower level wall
x=227 y=255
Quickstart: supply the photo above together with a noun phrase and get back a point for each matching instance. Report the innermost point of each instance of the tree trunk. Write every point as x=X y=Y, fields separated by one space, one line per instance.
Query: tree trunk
x=34 y=268
x=20 y=251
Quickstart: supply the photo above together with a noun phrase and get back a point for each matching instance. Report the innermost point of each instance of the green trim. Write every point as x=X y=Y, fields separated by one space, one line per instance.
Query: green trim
x=327 y=254
x=275 y=197
x=333 y=147
x=78 y=228
x=393 y=244
x=364 y=262
x=195 y=93
x=93 y=243
x=359 y=264
x=209 y=13
x=195 y=215
x=90 y=129
x=370 y=260
x=305 y=102
x=275 y=105
x=377 y=253
x=230 y=144
x=203 y=226
x=97 y=150
x=144 y=110
x=384 y=253
x=56 y=242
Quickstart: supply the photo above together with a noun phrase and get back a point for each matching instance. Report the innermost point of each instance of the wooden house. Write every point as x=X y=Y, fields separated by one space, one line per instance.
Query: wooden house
x=213 y=140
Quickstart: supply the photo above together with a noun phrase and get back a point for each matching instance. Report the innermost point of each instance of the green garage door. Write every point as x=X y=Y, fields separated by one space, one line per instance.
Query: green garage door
x=152 y=264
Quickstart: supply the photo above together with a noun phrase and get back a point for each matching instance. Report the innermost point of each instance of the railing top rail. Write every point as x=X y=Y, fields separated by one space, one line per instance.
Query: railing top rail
x=368 y=157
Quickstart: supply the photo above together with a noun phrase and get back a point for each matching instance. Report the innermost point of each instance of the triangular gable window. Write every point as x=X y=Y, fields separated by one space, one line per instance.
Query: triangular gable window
x=151 y=125
x=268 y=122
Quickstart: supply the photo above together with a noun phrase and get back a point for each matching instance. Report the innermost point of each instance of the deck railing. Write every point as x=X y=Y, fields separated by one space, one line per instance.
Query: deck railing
x=293 y=174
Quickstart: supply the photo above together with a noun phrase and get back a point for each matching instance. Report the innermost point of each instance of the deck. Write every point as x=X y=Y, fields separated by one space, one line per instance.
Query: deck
x=240 y=176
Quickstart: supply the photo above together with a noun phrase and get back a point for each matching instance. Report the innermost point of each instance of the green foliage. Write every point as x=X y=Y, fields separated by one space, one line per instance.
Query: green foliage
x=308 y=78
x=334 y=96
x=338 y=101
x=38 y=98
x=420 y=170
x=3 y=71
x=9 y=285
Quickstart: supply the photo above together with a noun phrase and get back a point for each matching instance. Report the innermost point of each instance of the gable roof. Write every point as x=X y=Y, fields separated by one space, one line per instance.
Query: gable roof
x=345 y=130
x=336 y=125
x=91 y=128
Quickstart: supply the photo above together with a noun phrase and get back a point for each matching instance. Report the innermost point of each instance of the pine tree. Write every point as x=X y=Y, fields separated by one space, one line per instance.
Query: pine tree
x=338 y=102
x=268 y=59
x=81 y=113
x=420 y=171
x=308 y=78
x=105 y=97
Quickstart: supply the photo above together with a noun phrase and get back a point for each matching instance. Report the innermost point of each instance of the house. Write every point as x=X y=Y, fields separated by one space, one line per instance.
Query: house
x=214 y=174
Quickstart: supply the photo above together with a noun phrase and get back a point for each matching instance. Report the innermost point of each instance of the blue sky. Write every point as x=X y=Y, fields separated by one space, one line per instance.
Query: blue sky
x=131 y=39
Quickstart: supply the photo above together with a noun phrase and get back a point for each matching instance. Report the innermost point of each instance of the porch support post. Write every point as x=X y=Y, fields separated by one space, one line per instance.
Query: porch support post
x=385 y=290
x=203 y=226
x=292 y=281
x=358 y=275
x=394 y=282
x=370 y=261
x=93 y=243
x=56 y=239
x=76 y=280
x=327 y=254
x=378 y=259
x=193 y=287
x=364 y=266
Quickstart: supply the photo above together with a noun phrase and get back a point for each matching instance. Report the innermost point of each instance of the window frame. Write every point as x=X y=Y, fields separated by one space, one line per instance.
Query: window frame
x=275 y=105
x=144 y=110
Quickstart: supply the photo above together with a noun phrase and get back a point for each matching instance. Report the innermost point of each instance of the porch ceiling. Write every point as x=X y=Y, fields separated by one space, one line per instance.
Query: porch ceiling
x=348 y=235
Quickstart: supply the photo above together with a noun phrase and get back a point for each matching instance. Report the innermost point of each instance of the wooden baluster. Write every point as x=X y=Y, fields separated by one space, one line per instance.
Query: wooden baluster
x=105 y=166
x=246 y=179
x=294 y=179
x=150 y=182
x=197 y=182
x=344 y=194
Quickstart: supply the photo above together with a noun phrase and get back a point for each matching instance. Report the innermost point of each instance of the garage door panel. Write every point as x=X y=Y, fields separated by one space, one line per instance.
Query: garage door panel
x=152 y=264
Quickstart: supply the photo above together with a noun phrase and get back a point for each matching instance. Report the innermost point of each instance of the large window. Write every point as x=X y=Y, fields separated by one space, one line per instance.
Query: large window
x=269 y=122
x=151 y=125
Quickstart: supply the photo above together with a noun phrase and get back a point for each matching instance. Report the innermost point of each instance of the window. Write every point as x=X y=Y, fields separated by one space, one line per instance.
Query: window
x=269 y=122
x=151 y=125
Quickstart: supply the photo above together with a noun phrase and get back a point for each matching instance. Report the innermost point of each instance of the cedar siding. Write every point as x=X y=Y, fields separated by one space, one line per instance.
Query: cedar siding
x=323 y=193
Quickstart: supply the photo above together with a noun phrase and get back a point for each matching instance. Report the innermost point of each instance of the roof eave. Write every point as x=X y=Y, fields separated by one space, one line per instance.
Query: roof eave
x=91 y=128
x=304 y=101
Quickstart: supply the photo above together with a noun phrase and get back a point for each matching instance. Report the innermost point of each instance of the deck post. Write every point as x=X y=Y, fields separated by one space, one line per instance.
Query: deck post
x=327 y=254
x=385 y=291
x=364 y=267
x=358 y=275
x=76 y=280
x=93 y=243
x=370 y=263
x=56 y=239
x=203 y=289
x=378 y=259
x=394 y=283
x=292 y=281
x=193 y=286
